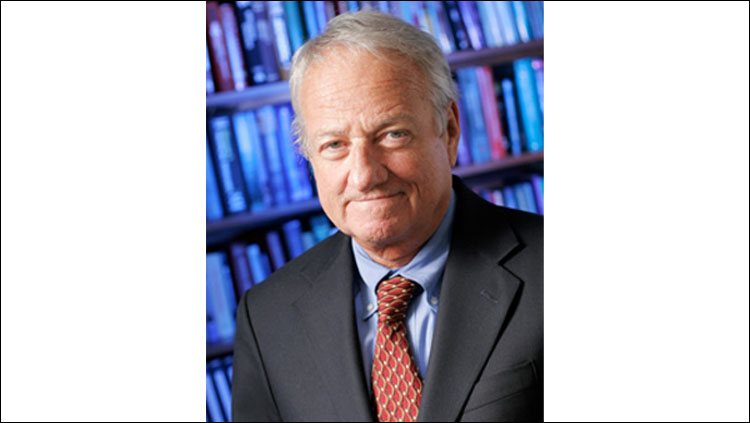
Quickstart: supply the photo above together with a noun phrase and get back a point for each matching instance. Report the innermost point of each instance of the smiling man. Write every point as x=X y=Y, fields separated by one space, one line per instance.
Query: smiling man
x=427 y=304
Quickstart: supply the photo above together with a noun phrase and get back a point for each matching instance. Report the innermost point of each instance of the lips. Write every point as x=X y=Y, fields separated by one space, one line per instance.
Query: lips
x=378 y=197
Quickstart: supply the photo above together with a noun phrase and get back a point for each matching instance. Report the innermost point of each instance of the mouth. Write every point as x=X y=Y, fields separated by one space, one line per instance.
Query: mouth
x=377 y=197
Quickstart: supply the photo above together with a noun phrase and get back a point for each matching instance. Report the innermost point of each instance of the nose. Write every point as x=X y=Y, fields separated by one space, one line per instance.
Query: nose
x=367 y=170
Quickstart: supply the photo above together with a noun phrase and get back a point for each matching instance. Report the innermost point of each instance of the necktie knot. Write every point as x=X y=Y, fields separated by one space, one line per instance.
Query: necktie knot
x=394 y=296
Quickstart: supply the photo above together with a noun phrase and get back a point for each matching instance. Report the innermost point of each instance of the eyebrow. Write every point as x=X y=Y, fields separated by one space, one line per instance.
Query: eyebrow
x=378 y=127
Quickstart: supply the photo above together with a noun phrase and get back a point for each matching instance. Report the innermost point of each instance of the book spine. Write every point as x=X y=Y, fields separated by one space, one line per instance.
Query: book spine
x=251 y=158
x=321 y=227
x=522 y=22
x=353 y=6
x=321 y=14
x=278 y=21
x=538 y=10
x=464 y=152
x=512 y=115
x=439 y=24
x=221 y=306
x=266 y=41
x=527 y=98
x=537 y=183
x=212 y=332
x=293 y=237
x=227 y=165
x=311 y=21
x=297 y=176
x=457 y=27
x=222 y=387
x=510 y=197
x=243 y=279
x=497 y=197
x=214 y=210
x=523 y=203
x=228 y=365
x=212 y=399
x=480 y=148
x=234 y=47
x=267 y=121
x=508 y=25
x=491 y=114
x=250 y=42
x=308 y=240
x=257 y=266
x=217 y=48
x=538 y=66
x=210 y=88
x=294 y=23
x=528 y=192
x=489 y=24
x=278 y=259
x=473 y=24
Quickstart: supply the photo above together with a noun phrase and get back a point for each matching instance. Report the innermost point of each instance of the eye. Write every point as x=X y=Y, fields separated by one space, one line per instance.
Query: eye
x=333 y=145
x=397 y=134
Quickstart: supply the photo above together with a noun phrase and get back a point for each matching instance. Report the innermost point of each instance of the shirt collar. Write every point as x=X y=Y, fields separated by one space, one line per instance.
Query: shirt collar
x=426 y=268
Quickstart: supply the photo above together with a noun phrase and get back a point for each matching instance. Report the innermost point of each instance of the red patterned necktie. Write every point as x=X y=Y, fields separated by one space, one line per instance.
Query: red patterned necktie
x=395 y=378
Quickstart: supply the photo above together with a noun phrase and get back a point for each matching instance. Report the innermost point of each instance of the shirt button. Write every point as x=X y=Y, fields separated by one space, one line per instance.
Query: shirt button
x=434 y=300
x=369 y=307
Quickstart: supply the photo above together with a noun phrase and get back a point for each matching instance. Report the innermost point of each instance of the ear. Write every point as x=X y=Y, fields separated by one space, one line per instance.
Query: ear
x=452 y=132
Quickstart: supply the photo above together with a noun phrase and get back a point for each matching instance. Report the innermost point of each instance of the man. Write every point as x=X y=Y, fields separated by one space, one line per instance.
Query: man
x=427 y=304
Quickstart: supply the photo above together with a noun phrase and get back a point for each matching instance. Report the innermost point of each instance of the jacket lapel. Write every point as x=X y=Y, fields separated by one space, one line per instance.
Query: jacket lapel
x=476 y=296
x=327 y=312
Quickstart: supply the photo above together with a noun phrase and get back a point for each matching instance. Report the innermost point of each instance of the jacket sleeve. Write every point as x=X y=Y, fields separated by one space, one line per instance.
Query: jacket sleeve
x=252 y=399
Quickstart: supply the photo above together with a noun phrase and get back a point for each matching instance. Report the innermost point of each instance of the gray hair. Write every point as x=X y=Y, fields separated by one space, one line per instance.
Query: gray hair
x=376 y=33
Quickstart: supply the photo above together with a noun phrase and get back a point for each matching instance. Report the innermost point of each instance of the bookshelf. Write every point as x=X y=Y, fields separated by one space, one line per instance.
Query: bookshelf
x=247 y=227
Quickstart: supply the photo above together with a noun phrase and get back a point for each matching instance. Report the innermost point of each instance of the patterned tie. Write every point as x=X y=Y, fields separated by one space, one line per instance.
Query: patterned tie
x=395 y=379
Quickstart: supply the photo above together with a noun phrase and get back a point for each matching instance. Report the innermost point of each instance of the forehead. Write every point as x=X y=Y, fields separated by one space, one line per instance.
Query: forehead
x=347 y=83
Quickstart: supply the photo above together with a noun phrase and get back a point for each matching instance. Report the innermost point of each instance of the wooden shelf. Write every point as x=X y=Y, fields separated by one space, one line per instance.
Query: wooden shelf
x=219 y=350
x=224 y=229
x=496 y=56
x=278 y=92
x=506 y=165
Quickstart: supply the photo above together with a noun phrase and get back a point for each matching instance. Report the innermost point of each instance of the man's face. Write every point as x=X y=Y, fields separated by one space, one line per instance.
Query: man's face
x=382 y=169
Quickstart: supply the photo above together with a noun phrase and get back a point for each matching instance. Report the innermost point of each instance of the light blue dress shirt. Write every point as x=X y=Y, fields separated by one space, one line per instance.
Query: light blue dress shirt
x=426 y=269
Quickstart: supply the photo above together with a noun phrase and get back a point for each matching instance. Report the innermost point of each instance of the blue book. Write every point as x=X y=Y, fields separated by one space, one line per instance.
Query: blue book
x=535 y=13
x=321 y=227
x=293 y=237
x=227 y=165
x=221 y=293
x=243 y=279
x=490 y=24
x=212 y=400
x=504 y=11
x=473 y=24
x=311 y=21
x=469 y=86
x=538 y=66
x=522 y=22
x=210 y=88
x=509 y=103
x=440 y=28
x=212 y=333
x=538 y=183
x=294 y=24
x=464 y=154
x=523 y=203
x=268 y=130
x=497 y=197
x=295 y=169
x=321 y=15
x=222 y=387
x=308 y=240
x=266 y=43
x=510 y=197
x=528 y=193
x=353 y=6
x=214 y=210
x=281 y=32
x=457 y=27
x=528 y=104
x=228 y=367
x=278 y=258
x=252 y=160
x=251 y=42
x=259 y=265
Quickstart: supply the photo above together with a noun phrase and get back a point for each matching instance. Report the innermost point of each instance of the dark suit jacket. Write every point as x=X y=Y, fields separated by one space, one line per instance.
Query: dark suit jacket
x=296 y=352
